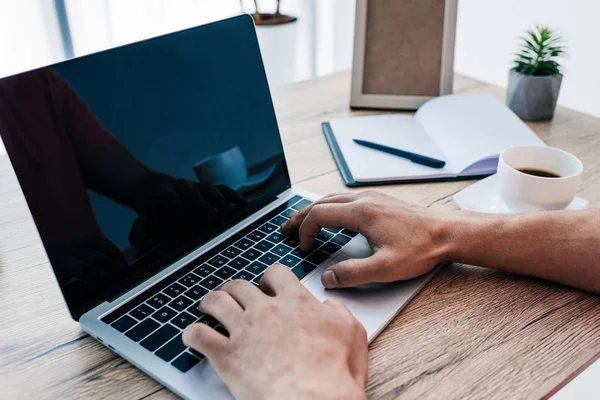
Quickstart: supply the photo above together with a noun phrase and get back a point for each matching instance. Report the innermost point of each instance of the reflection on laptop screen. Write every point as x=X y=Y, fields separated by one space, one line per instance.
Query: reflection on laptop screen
x=132 y=157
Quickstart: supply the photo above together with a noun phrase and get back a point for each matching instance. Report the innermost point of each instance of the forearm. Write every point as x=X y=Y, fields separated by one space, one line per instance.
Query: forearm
x=559 y=246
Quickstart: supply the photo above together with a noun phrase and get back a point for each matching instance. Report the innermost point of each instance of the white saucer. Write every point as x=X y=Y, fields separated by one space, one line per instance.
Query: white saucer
x=483 y=197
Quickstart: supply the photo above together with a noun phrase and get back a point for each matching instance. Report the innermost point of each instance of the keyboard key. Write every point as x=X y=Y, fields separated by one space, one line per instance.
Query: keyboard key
x=341 y=239
x=208 y=320
x=303 y=269
x=333 y=230
x=238 y=263
x=275 y=238
x=301 y=204
x=256 y=235
x=264 y=245
x=293 y=200
x=183 y=320
x=268 y=228
x=189 y=280
x=330 y=247
x=290 y=260
x=252 y=254
x=244 y=275
x=221 y=329
x=297 y=252
x=318 y=243
x=197 y=354
x=185 y=362
x=180 y=303
x=278 y=220
x=194 y=310
x=124 y=323
x=158 y=301
x=256 y=267
x=164 y=314
x=281 y=250
x=119 y=312
x=317 y=257
x=269 y=258
x=174 y=290
x=324 y=235
x=226 y=272
x=142 y=329
x=211 y=282
x=172 y=349
x=243 y=244
x=196 y=293
x=231 y=252
x=348 y=232
x=292 y=241
x=204 y=270
x=218 y=261
x=288 y=213
x=160 y=337
x=257 y=278
x=142 y=311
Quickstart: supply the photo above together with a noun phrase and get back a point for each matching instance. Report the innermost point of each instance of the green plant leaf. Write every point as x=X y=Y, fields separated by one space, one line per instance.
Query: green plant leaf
x=538 y=51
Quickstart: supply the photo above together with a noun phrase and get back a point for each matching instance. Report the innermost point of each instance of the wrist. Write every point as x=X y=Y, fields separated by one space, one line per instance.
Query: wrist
x=464 y=232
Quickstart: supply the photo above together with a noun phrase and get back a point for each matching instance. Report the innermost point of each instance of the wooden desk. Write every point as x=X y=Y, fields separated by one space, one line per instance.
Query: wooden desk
x=471 y=333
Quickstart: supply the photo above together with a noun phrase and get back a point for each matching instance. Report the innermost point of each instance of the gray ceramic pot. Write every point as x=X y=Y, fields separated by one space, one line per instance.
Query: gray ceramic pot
x=533 y=98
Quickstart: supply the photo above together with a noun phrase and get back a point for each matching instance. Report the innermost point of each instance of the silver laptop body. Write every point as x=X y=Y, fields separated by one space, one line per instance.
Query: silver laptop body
x=195 y=106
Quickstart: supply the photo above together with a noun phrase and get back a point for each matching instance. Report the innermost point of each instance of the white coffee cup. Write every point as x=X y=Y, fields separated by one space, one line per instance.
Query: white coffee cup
x=523 y=192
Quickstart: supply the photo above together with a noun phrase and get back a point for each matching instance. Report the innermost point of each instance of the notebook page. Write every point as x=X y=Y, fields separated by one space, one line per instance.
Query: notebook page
x=472 y=127
x=399 y=131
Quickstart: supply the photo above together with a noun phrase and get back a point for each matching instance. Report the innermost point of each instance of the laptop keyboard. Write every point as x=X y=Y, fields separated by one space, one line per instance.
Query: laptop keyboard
x=156 y=318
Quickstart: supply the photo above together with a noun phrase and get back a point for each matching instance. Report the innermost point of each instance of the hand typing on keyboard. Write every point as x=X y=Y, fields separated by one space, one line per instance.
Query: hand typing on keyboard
x=282 y=344
x=407 y=240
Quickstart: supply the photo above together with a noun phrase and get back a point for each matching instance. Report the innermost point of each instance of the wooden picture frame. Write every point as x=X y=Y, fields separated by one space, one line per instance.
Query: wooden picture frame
x=403 y=52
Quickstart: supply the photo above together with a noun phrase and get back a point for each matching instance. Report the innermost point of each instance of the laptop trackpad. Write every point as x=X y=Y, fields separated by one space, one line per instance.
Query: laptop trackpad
x=374 y=305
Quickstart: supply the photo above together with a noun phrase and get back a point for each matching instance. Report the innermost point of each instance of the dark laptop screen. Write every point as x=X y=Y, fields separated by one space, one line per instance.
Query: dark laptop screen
x=132 y=157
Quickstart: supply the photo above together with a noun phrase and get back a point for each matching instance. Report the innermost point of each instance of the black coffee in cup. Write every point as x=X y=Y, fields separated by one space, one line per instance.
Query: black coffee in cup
x=539 y=172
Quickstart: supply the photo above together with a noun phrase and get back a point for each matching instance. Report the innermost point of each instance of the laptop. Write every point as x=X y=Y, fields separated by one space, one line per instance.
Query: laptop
x=155 y=172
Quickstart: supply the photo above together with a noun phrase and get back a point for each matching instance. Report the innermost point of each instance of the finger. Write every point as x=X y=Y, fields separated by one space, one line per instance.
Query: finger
x=327 y=216
x=357 y=271
x=292 y=225
x=215 y=198
x=223 y=307
x=279 y=279
x=206 y=340
x=359 y=364
x=244 y=292
x=231 y=195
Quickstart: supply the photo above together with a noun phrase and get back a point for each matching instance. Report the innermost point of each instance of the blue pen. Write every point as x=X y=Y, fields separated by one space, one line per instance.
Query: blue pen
x=416 y=158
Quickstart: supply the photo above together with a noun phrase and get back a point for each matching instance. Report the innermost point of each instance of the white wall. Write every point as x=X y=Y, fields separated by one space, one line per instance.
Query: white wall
x=29 y=35
x=487 y=36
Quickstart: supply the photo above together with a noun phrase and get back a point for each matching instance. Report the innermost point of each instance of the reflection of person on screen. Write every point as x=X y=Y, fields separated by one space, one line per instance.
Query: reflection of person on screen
x=59 y=150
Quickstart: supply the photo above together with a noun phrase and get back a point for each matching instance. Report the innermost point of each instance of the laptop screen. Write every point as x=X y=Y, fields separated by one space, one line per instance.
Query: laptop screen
x=132 y=157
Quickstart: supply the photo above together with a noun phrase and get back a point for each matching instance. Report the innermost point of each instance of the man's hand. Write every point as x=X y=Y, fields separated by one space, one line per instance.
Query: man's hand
x=284 y=344
x=407 y=240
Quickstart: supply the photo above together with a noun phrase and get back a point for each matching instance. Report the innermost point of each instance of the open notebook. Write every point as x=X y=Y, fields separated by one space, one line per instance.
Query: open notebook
x=467 y=131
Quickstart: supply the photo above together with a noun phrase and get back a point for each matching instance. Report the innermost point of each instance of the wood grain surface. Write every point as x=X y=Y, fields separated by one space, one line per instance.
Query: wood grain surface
x=471 y=333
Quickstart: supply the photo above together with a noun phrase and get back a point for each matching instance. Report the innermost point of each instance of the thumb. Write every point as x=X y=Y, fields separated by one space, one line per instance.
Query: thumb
x=356 y=271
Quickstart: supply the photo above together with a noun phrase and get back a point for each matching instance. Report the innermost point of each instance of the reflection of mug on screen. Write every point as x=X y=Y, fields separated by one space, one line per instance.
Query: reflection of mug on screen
x=227 y=168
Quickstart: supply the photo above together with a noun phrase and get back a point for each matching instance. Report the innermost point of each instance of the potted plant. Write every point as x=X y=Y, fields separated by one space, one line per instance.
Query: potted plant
x=534 y=81
x=276 y=18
